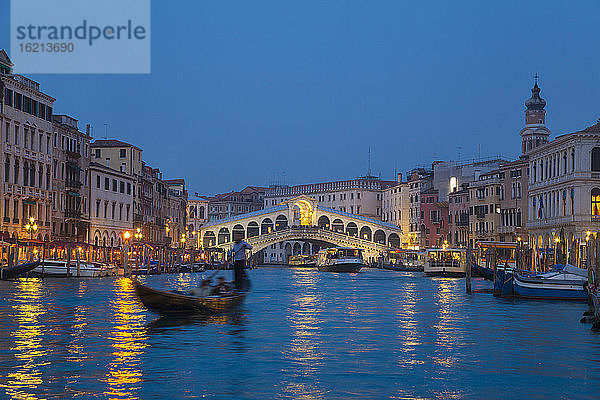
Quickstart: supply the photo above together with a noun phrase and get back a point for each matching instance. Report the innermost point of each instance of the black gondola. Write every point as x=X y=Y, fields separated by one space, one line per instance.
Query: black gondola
x=171 y=303
x=484 y=272
x=17 y=270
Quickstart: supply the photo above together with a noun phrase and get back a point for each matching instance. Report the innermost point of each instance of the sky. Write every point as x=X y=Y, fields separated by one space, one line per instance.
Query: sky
x=262 y=92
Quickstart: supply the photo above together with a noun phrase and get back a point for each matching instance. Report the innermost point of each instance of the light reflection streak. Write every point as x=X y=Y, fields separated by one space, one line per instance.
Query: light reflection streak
x=304 y=319
x=23 y=382
x=407 y=319
x=128 y=339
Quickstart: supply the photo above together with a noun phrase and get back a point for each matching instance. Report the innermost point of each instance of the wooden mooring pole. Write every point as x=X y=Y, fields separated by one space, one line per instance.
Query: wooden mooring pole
x=469 y=267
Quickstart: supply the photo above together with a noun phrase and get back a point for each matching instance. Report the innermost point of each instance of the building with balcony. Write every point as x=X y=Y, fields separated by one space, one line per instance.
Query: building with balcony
x=564 y=192
x=458 y=217
x=70 y=180
x=27 y=142
x=484 y=208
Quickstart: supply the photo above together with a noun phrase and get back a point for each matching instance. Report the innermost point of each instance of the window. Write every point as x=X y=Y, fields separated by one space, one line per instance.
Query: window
x=114 y=185
x=8 y=98
x=596 y=159
x=128 y=188
x=122 y=187
x=106 y=184
x=97 y=153
x=596 y=202
x=122 y=153
x=98 y=181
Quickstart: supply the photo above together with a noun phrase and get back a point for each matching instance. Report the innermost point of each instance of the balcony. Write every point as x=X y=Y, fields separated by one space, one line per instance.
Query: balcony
x=72 y=213
x=73 y=184
x=138 y=218
x=72 y=155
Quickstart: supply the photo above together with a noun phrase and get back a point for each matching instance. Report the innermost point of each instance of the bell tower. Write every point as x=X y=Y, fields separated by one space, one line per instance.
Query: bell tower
x=534 y=133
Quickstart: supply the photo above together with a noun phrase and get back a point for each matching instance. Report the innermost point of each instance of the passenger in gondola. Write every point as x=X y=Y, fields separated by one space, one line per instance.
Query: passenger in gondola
x=203 y=290
x=222 y=287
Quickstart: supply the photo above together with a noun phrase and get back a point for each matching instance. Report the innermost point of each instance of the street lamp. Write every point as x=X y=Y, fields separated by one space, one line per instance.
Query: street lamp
x=138 y=234
x=31 y=228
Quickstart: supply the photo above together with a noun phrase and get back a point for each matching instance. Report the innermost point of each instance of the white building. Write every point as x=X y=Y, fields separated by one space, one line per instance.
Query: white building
x=564 y=191
x=111 y=205
x=27 y=146
x=396 y=206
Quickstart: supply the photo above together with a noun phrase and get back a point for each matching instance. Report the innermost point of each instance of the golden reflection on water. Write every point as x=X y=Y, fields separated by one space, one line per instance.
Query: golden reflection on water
x=128 y=340
x=407 y=319
x=446 y=335
x=304 y=318
x=23 y=382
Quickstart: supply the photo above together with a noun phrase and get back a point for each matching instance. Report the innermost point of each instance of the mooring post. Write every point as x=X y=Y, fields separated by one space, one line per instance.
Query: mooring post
x=469 y=266
x=68 y=260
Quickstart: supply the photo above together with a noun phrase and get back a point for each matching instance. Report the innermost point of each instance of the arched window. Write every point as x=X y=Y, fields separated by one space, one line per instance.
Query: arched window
x=595 y=203
x=596 y=159
x=25 y=173
x=201 y=214
x=6 y=169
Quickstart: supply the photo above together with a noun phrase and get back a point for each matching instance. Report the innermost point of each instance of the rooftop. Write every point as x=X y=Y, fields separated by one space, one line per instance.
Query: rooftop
x=112 y=143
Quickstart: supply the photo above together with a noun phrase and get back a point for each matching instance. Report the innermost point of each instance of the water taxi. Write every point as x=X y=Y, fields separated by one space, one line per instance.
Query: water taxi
x=445 y=262
x=404 y=260
x=302 y=260
x=340 y=259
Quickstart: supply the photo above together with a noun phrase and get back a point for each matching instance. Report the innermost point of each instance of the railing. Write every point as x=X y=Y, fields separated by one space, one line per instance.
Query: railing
x=73 y=184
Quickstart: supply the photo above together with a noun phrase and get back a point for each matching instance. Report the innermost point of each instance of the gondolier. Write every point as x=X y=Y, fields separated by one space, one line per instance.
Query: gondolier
x=238 y=254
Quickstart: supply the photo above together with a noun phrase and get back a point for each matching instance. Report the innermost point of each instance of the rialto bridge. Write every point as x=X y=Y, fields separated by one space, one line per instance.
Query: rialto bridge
x=302 y=218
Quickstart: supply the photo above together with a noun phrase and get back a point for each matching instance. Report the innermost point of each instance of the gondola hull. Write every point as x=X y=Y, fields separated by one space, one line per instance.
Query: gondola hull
x=17 y=270
x=341 y=267
x=484 y=272
x=170 y=303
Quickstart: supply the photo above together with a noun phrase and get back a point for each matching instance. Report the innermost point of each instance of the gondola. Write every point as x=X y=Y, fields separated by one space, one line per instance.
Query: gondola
x=17 y=270
x=484 y=272
x=172 y=303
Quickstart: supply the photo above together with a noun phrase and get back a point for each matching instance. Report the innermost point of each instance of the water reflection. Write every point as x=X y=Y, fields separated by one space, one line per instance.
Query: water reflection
x=304 y=317
x=128 y=340
x=23 y=382
x=406 y=313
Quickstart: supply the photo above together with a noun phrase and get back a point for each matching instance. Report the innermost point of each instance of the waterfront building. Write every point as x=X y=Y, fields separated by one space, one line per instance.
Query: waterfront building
x=197 y=216
x=111 y=207
x=564 y=192
x=433 y=219
x=395 y=206
x=227 y=205
x=513 y=200
x=70 y=180
x=458 y=217
x=26 y=134
x=484 y=207
x=176 y=211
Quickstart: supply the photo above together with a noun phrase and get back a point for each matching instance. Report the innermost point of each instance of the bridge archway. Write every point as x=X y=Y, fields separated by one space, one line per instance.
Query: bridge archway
x=352 y=229
x=209 y=239
x=366 y=233
x=297 y=248
x=266 y=226
x=337 y=225
x=394 y=241
x=288 y=251
x=224 y=236
x=238 y=232
x=253 y=229
x=281 y=222
x=379 y=237
x=323 y=222
x=306 y=248
x=305 y=210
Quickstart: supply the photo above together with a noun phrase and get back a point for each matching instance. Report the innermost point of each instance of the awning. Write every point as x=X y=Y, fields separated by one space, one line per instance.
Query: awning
x=71 y=193
x=31 y=202
x=74 y=166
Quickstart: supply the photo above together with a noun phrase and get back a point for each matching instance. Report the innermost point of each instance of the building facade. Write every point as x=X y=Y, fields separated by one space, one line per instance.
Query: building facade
x=111 y=208
x=26 y=133
x=70 y=181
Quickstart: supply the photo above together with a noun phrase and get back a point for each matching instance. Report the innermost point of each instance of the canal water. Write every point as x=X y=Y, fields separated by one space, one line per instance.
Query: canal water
x=302 y=334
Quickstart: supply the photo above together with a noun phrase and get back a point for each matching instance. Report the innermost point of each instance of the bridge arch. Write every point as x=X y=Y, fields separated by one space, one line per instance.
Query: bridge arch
x=394 y=240
x=224 y=236
x=281 y=222
x=297 y=248
x=305 y=212
x=379 y=236
x=266 y=226
x=252 y=229
x=366 y=233
x=323 y=222
x=351 y=229
x=306 y=248
x=337 y=225
x=238 y=232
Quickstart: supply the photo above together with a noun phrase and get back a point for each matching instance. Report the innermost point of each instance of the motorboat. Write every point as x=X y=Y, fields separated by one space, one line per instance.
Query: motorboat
x=445 y=262
x=58 y=268
x=340 y=259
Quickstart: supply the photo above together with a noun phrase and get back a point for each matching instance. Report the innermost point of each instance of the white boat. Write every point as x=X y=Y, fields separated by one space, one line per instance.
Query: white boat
x=58 y=268
x=445 y=262
x=340 y=259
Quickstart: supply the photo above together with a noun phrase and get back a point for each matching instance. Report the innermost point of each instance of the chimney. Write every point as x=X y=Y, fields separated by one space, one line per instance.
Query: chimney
x=399 y=177
x=87 y=129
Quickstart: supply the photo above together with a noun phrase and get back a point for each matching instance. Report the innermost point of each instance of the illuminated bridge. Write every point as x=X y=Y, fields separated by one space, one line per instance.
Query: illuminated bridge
x=303 y=219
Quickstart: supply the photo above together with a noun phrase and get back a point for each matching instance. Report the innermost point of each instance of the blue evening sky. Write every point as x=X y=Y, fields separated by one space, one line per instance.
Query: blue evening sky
x=249 y=92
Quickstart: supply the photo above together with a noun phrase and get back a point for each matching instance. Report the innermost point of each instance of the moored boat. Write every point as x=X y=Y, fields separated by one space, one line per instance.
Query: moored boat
x=303 y=260
x=172 y=303
x=445 y=262
x=562 y=283
x=58 y=268
x=484 y=272
x=17 y=270
x=340 y=259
